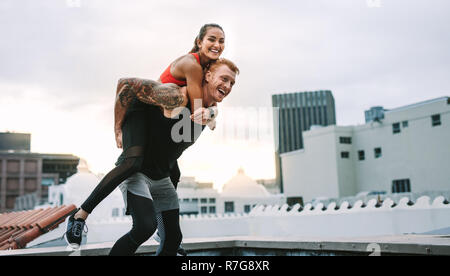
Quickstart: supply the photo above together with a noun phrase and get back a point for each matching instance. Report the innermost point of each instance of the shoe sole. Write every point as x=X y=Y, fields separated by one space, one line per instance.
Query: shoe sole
x=74 y=246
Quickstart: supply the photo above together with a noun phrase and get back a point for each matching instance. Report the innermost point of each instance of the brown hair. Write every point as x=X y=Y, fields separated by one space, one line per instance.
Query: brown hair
x=224 y=61
x=202 y=34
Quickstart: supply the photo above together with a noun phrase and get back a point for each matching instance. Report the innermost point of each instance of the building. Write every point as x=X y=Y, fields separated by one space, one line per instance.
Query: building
x=270 y=185
x=25 y=176
x=407 y=151
x=239 y=195
x=297 y=113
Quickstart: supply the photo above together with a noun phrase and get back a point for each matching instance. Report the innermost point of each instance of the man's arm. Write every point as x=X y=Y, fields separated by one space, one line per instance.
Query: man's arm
x=167 y=96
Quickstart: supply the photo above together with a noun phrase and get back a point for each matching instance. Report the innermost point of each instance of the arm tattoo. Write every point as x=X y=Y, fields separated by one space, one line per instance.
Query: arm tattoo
x=166 y=95
x=150 y=92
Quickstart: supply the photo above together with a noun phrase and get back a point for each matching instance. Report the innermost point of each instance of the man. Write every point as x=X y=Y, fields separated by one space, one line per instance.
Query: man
x=152 y=143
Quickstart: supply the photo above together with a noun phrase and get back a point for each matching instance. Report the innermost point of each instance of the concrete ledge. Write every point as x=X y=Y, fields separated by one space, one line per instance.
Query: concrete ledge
x=291 y=246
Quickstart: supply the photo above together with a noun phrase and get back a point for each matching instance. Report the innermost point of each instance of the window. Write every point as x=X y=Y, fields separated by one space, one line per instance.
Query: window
x=204 y=210
x=115 y=212
x=405 y=124
x=203 y=200
x=30 y=184
x=345 y=154
x=212 y=200
x=345 y=140
x=195 y=200
x=361 y=155
x=12 y=185
x=448 y=100
x=212 y=209
x=185 y=199
x=13 y=166
x=229 y=206
x=401 y=186
x=396 y=128
x=31 y=166
x=436 y=120
x=377 y=152
x=247 y=208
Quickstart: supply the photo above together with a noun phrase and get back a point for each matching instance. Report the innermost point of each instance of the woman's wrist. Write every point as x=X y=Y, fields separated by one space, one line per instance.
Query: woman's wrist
x=212 y=112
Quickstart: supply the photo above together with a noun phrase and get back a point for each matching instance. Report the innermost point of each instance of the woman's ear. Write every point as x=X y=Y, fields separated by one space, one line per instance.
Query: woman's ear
x=199 y=43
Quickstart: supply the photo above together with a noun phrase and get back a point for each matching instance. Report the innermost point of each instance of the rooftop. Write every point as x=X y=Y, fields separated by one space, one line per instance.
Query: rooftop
x=273 y=246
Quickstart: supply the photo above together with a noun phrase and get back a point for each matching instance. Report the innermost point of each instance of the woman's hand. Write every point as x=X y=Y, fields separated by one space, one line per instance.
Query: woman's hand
x=202 y=116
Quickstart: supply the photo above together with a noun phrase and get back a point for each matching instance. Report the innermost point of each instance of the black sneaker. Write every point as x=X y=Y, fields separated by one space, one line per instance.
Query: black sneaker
x=74 y=232
x=180 y=250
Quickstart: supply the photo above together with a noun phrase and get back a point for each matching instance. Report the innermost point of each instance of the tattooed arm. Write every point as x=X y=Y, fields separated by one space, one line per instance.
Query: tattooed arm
x=167 y=96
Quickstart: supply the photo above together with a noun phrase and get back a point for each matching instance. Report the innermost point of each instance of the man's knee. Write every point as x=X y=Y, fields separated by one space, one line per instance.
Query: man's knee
x=144 y=229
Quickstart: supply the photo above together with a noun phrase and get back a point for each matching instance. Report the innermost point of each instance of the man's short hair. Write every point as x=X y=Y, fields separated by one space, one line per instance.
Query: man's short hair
x=224 y=61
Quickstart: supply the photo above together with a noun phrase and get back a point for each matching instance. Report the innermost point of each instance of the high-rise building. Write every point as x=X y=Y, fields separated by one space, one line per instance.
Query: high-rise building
x=297 y=113
x=25 y=173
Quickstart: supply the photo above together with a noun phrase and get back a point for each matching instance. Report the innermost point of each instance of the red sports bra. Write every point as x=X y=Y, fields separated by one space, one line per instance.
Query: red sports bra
x=166 y=76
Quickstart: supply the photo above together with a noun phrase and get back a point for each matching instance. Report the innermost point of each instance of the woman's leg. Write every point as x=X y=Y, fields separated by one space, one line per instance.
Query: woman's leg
x=135 y=139
x=169 y=232
x=143 y=213
x=130 y=162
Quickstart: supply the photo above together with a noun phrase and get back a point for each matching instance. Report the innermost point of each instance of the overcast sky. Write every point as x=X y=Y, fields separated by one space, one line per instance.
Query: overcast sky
x=60 y=61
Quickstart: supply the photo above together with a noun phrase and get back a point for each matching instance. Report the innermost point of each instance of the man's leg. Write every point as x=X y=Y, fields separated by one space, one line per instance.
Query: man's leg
x=143 y=213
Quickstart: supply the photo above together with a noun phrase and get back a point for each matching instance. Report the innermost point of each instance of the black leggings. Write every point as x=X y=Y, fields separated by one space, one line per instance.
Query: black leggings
x=144 y=225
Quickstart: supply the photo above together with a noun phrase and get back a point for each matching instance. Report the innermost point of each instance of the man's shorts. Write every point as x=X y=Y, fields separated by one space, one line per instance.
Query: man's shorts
x=162 y=192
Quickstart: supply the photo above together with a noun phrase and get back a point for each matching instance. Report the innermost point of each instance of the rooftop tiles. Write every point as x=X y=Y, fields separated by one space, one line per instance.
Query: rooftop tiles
x=17 y=229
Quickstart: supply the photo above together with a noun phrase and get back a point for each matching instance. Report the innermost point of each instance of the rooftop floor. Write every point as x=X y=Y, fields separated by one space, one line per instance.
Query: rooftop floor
x=270 y=246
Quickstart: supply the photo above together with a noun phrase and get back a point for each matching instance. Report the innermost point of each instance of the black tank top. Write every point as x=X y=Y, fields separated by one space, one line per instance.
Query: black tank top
x=168 y=139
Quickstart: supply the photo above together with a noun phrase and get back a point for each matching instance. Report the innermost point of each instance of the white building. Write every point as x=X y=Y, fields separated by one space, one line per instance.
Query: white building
x=77 y=189
x=239 y=195
x=407 y=151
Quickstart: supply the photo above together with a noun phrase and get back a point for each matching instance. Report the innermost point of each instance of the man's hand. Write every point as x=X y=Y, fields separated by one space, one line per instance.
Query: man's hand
x=118 y=133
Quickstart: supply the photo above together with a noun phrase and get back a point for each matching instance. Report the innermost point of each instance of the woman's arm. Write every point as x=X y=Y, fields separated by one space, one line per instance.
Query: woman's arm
x=194 y=79
x=167 y=96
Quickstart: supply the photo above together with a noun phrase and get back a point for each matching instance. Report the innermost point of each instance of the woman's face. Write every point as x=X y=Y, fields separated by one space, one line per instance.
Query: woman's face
x=212 y=44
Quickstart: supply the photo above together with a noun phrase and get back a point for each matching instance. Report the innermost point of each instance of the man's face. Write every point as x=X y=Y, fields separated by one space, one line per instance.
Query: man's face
x=220 y=82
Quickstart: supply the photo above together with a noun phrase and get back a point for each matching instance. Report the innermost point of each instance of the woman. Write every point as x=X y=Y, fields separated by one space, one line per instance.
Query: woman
x=132 y=97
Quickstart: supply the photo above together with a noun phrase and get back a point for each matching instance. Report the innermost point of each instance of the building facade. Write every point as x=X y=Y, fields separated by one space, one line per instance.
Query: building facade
x=239 y=195
x=25 y=176
x=407 y=151
x=297 y=113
